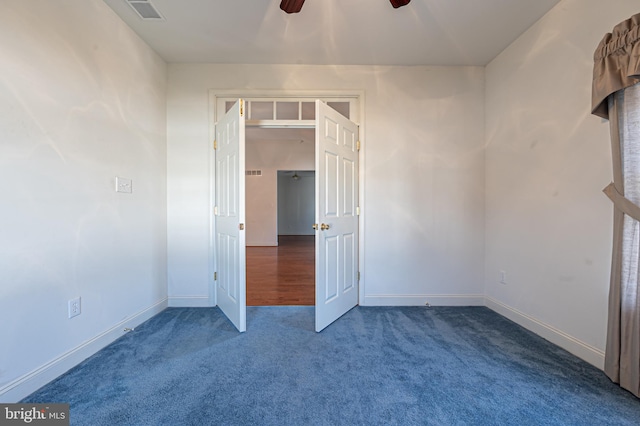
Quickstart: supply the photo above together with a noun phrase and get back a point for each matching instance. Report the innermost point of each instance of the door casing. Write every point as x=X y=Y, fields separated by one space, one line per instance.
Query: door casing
x=356 y=96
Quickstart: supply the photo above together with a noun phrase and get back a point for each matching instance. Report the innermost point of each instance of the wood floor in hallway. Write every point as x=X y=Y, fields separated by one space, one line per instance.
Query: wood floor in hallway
x=283 y=275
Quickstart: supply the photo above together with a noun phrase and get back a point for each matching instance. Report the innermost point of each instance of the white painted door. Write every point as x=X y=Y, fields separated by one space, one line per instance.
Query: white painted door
x=231 y=290
x=336 y=215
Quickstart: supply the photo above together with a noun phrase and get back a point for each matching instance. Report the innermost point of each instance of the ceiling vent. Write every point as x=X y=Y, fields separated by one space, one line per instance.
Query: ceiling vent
x=145 y=10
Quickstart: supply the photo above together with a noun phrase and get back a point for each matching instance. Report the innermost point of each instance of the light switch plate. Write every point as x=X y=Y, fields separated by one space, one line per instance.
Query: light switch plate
x=124 y=185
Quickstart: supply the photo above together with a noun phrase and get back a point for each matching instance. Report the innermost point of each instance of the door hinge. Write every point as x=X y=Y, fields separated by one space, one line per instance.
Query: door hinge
x=241 y=107
x=241 y=226
x=358 y=145
x=358 y=275
x=215 y=276
x=215 y=144
x=358 y=211
x=215 y=210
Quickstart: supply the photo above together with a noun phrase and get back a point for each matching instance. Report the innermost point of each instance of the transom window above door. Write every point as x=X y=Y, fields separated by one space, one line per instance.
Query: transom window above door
x=288 y=112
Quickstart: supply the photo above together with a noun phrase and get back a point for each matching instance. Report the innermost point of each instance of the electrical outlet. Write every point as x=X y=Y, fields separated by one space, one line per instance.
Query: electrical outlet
x=74 y=307
x=503 y=277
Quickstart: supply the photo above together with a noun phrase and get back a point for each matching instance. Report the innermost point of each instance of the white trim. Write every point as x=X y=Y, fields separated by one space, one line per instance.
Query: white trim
x=422 y=299
x=212 y=200
x=34 y=380
x=354 y=96
x=189 y=302
x=357 y=117
x=590 y=354
x=361 y=188
x=281 y=124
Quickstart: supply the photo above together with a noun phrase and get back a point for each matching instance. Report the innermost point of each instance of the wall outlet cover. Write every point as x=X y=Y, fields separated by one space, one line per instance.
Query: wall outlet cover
x=74 y=307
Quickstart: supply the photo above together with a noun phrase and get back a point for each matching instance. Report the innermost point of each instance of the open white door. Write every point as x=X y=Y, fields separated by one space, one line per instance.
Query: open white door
x=231 y=289
x=336 y=215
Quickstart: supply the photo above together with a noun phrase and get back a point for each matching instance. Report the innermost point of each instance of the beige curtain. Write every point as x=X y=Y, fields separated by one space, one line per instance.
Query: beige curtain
x=616 y=64
x=616 y=96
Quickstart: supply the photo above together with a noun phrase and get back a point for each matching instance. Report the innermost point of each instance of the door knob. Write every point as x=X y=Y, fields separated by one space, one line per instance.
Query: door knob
x=325 y=226
x=315 y=226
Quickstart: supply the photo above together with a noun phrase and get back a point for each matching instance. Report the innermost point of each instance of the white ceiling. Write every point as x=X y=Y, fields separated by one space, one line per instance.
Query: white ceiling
x=335 y=32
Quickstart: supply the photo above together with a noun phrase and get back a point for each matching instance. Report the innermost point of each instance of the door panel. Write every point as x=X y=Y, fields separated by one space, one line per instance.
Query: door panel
x=230 y=217
x=336 y=203
x=331 y=181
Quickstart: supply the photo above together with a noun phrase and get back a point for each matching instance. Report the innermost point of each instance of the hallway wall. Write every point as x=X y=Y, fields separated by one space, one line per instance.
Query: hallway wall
x=296 y=203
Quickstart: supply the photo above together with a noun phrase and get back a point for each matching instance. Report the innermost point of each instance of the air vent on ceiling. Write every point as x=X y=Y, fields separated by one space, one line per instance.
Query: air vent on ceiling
x=145 y=10
x=254 y=173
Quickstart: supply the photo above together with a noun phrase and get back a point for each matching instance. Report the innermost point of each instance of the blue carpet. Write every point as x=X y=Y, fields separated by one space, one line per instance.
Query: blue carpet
x=374 y=366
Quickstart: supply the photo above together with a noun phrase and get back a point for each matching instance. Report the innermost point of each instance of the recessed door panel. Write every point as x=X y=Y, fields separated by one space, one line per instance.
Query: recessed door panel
x=331 y=131
x=349 y=139
x=349 y=252
x=331 y=283
x=332 y=181
x=348 y=189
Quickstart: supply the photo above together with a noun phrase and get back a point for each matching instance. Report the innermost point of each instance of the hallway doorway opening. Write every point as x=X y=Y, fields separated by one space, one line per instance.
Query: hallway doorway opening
x=280 y=212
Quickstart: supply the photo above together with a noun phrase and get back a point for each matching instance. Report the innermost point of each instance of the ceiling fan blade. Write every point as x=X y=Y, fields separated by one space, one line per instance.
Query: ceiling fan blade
x=292 y=6
x=398 y=3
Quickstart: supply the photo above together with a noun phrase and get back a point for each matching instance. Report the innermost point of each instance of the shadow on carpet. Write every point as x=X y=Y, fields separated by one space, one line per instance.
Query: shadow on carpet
x=376 y=365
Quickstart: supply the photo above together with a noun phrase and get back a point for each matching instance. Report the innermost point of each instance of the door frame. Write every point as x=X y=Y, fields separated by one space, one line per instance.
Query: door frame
x=358 y=96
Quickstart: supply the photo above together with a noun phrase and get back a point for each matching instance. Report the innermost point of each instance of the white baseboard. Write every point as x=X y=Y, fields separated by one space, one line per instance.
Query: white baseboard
x=30 y=382
x=189 y=302
x=593 y=356
x=423 y=299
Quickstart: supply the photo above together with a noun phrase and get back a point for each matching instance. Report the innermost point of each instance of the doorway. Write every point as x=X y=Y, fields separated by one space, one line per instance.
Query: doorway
x=336 y=202
x=280 y=212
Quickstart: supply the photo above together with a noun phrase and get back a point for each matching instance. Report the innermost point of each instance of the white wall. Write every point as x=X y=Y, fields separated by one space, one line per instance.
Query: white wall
x=547 y=223
x=292 y=149
x=422 y=162
x=82 y=100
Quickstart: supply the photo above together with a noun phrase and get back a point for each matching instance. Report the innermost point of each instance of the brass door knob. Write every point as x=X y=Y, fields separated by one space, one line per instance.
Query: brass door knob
x=324 y=226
